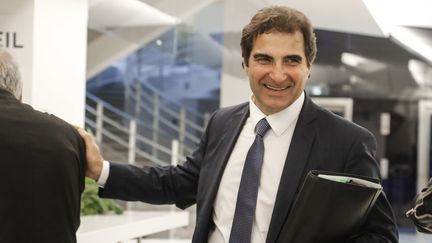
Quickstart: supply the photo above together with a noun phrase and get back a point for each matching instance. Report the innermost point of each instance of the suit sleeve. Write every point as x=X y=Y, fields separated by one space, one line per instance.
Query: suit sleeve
x=157 y=185
x=380 y=227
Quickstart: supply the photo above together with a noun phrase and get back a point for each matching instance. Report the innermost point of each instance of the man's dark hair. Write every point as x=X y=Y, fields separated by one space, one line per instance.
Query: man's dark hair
x=280 y=19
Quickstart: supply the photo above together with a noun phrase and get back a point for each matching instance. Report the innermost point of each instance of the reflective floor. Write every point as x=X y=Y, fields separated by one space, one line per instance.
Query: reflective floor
x=414 y=238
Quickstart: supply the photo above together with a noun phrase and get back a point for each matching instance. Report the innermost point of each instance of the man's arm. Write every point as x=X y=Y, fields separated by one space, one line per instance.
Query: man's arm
x=156 y=185
x=380 y=226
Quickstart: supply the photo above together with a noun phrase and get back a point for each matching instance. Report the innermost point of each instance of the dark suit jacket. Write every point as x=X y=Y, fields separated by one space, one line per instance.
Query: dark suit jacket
x=42 y=161
x=321 y=141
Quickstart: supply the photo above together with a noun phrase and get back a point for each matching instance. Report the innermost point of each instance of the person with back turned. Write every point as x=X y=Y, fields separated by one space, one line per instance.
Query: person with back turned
x=42 y=165
x=246 y=171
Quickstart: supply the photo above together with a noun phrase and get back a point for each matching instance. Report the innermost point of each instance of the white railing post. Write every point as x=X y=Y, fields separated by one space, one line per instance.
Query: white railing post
x=182 y=130
x=137 y=98
x=206 y=119
x=174 y=162
x=132 y=141
x=99 y=123
x=131 y=150
x=174 y=152
x=156 y=117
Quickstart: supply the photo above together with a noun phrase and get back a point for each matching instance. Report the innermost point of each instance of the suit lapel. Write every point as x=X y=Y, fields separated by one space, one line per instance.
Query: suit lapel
x=293 y=171
x=229 y=130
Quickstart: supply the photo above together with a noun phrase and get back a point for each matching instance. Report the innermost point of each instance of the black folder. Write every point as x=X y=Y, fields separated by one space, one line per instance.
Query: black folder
x=329 y=211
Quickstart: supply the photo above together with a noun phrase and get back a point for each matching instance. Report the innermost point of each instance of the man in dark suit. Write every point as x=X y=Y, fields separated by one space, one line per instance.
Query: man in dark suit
x=42 y=165
x=278 y=48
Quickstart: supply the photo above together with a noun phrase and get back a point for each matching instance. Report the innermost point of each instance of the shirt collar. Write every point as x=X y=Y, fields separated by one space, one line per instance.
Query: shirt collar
x=280 y=121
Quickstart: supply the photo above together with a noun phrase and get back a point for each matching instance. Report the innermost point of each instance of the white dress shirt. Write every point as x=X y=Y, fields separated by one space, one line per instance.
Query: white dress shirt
x=103 y=177
x=276 y=144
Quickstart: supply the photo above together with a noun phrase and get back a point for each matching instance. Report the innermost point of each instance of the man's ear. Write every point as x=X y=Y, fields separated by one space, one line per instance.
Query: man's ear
x=245 y=68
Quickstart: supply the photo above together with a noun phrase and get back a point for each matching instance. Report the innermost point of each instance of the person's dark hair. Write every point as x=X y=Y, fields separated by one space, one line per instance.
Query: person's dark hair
x=280 y=19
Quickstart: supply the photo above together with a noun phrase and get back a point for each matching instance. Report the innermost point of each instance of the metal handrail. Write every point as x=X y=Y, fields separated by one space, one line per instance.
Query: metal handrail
x=109 y=106
x=119 y=112
x=125 y=130
x=163 y=111
x=173 y=114
x=169 y=99
x=170 y=112
x=144 y=154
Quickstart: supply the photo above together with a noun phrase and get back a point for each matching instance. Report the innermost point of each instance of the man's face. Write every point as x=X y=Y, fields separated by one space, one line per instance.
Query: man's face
x=277 y=70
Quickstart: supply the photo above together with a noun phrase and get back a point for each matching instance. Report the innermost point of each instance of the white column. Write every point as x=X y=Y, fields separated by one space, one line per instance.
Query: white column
x=234 y=82
x=52 y=59
x=59 y=57
x=234 y=90
x=16 y=27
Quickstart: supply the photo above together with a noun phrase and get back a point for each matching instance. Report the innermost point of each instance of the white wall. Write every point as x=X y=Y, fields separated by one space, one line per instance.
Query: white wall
x=59 y=60
x=52 y=59
x=17 y=18
x=234 y=90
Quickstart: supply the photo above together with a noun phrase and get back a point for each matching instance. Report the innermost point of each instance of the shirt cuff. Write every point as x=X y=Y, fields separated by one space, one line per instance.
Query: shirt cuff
x=104 y=174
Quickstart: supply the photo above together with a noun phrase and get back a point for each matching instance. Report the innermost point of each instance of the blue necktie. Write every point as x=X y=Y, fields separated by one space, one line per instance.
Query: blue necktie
x=241 y=230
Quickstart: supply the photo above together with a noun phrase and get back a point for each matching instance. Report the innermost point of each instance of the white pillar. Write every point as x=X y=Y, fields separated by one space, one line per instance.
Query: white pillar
x=16 y=20
x=234 y=82
x=234 y=90
x=51 y=37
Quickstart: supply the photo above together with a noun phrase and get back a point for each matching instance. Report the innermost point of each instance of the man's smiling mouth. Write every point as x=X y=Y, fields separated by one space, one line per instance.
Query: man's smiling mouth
x=276 y=88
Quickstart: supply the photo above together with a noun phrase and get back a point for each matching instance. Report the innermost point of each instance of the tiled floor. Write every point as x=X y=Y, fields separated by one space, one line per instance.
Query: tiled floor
x=403 y=238
x=415 y=238
x=164 y=241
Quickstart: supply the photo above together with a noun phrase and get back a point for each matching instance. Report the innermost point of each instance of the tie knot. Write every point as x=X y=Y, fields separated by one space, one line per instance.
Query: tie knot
x=262 y=127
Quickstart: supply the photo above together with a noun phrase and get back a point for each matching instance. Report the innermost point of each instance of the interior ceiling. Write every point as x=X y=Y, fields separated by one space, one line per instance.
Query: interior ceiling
x=126 y=13
x=347 y=22
x=360 y=27
x=332 y=44
x=327 y=15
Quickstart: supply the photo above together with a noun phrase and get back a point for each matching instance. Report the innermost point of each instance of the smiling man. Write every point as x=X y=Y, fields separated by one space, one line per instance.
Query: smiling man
x=277 y=69
x=246 y=172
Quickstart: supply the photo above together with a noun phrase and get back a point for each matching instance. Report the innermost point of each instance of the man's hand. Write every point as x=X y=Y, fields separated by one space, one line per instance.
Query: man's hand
x=93 y=155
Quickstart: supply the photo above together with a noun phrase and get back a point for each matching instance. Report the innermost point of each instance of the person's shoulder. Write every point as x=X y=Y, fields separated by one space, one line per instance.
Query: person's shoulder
x=222 y=115
x=52 y=120
x=231 y=110
x=47 y=121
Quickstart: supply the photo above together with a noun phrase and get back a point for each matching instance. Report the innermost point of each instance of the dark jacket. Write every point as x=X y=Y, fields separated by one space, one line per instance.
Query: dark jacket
x=321 y=141
x=42 y=162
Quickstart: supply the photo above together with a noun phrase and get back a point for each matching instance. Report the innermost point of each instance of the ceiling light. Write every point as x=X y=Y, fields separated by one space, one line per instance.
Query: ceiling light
x=420 y=71
x=412 y=42
x=126 y=13
x=352 y=60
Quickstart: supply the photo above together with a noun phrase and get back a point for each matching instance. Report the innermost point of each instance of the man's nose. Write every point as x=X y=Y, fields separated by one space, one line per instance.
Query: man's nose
x=278 y=73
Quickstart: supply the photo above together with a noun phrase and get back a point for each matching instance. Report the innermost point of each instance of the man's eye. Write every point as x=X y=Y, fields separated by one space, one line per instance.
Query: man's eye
x=263 y=60
x=293 y=61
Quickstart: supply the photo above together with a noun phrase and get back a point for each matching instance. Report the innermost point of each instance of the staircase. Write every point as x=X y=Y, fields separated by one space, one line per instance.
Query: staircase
x=153 y=128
